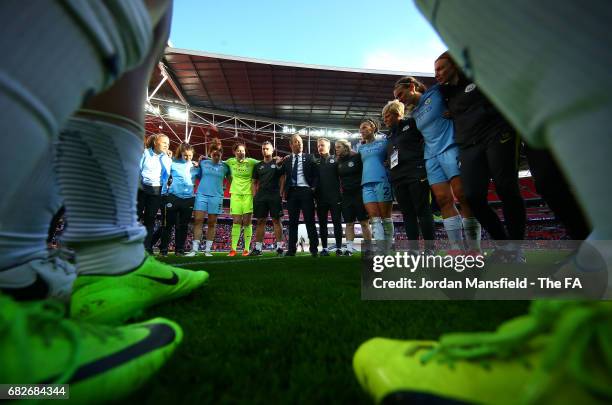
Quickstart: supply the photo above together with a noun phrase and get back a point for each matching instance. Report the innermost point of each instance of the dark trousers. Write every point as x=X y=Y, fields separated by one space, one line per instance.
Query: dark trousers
x=336 y=213
x=553 y=187
x=301 y=199
x=177 y=214
x=54 y=223
x=413 y=198
x=494 y=158
x=140 y=204
x=152 y=200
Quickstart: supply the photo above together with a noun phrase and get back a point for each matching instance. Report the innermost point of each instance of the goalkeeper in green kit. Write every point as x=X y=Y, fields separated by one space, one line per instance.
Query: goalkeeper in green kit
x=241 y=200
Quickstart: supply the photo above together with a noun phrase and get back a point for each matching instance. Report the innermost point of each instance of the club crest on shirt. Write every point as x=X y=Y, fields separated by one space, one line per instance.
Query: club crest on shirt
x=428 y=101
x=169 y=205
x=406 y=128
x=273 y=166
x=332 y=160
x=505 y=137
x=470 y=87
x=351 y=164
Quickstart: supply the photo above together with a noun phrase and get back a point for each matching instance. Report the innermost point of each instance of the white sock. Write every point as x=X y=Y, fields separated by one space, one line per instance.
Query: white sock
x=509 y=246
x=258 y=246
x=32 y=112
x=209 y=245
x=378 y=232
x=473 y=233
x=349 y=245
x=97 y=168
x=195 y=245
x=453 y=227
x=24 y=228
x=279 y=245
x=388 y=228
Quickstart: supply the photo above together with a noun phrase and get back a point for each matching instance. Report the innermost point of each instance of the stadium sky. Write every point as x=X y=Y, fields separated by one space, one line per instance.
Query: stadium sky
x=354 y=34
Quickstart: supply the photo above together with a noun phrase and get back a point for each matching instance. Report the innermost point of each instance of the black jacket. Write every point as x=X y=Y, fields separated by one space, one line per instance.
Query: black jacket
x=349 y=170
x=475 y=118
x=328 y=187
x=407 y=140
x=311 y=171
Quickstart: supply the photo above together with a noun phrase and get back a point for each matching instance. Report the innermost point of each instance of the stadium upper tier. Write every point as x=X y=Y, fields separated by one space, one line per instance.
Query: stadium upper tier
x=195 y=96
x=231 y=96
x=312 y=95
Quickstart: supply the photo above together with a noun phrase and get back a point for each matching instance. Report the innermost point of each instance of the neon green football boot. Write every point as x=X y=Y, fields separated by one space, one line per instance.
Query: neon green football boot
x=39 y=345
x=112 y=299
x=561 y=353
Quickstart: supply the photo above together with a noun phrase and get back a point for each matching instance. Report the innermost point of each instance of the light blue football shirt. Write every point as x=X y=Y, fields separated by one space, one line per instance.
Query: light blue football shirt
x=438 y=132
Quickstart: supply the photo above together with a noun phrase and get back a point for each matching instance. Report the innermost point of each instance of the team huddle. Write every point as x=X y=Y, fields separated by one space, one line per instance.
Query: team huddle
x=257 y=189
x=73 y=84
x=447 y=140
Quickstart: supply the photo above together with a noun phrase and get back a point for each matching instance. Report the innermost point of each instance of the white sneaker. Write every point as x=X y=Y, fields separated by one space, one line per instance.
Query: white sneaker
x=520 y=257
x=207 y=253
x=517 y=256
x=191 y=253
x=56 y=272
x=63 y=252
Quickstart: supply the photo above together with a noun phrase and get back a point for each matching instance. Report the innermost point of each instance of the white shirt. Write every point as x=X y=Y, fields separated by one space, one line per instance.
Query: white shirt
x=301 y=180
x=154 y=168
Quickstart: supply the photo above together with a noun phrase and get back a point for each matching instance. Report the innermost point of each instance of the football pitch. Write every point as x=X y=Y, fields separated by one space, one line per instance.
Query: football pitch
x=284 y=330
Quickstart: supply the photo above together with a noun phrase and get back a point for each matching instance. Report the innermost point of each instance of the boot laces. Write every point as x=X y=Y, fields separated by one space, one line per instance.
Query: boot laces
x=579 y=345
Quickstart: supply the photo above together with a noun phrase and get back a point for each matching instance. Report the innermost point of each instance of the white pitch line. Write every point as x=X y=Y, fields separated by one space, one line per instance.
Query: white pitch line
x=226 y=261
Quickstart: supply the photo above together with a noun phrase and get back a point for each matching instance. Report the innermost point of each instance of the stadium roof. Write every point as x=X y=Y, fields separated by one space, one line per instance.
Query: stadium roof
x=278 y=91
x=194 y=96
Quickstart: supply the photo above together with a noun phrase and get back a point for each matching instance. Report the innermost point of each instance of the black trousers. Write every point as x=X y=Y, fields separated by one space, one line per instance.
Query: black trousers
x=301 y=199
x=54 y=223
x=413 y=198
x=152 y=200
x=496 y=158
x=140 y=204
x=553 y=187
x=177 y=214
x=336 y=213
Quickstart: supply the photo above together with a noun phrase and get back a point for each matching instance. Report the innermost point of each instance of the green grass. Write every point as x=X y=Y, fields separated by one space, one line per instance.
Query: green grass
x=284 y=330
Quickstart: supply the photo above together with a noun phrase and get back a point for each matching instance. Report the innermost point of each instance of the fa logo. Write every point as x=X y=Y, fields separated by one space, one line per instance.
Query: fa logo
x=169 y=205
x=273 y=166
x=572 y=283
x=331 y=160
x=470 y=87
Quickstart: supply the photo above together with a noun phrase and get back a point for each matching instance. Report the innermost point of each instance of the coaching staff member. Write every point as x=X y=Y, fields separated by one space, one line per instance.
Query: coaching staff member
x=301 y=173
x=488 y=148
x=154 y=172
x=268 y=177
x=408 y=175
x=328 y=196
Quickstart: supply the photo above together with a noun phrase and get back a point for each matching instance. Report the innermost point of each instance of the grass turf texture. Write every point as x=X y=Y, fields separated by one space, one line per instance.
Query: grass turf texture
x=284 y=330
